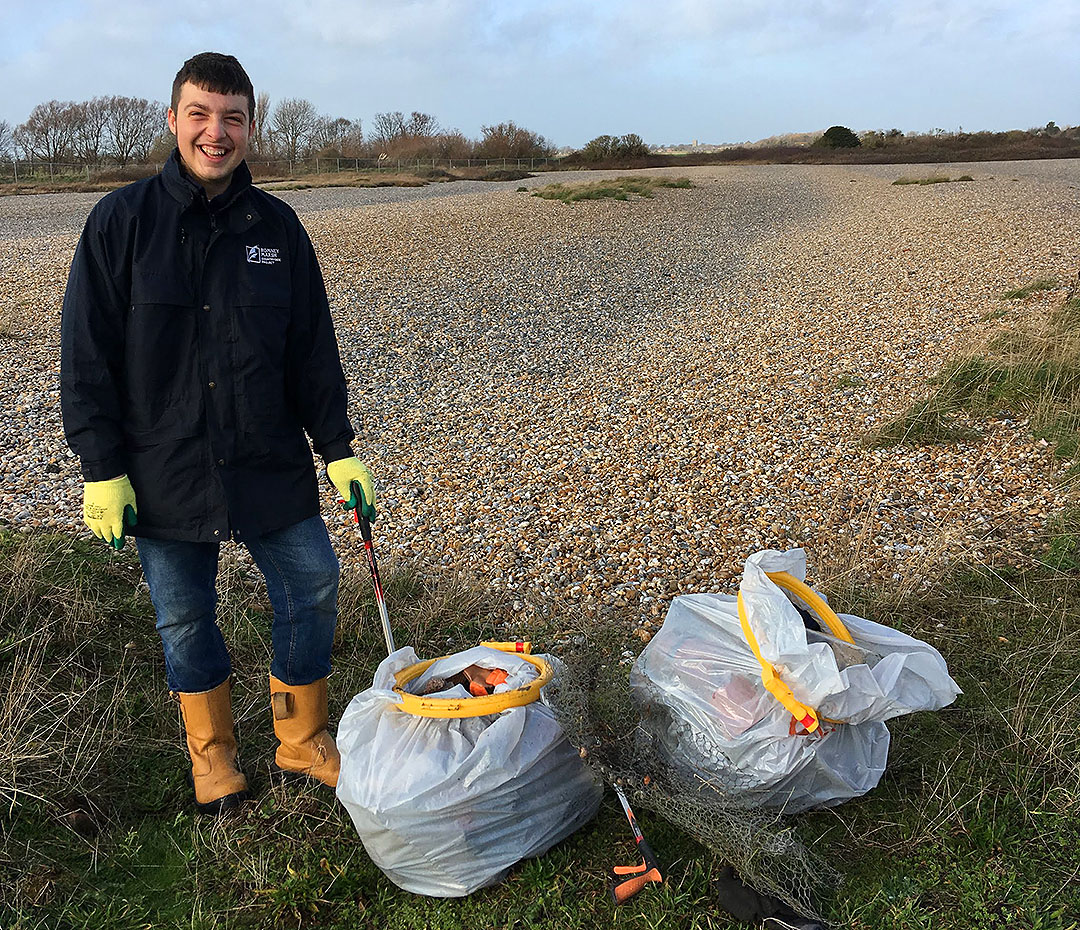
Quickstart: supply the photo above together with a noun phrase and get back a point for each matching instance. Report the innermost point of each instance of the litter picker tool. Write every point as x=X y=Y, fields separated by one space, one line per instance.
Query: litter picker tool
x=630 y=879
x=369 y=550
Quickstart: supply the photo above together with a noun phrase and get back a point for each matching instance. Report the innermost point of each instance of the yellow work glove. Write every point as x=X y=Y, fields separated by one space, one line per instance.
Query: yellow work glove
x=346 y=475
x=107 y=507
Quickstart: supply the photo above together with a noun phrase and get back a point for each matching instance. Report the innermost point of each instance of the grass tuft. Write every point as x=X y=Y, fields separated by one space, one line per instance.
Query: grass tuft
x=1019 y=293
x=932 y=179
x=617 y=189
x=1028 y=372
x=505 y=174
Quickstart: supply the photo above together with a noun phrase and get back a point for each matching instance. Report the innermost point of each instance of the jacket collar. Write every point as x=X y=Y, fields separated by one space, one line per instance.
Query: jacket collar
x=186 y=191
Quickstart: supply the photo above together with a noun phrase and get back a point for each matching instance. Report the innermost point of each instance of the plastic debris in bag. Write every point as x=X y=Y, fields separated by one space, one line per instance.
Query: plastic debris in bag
x=774 y=710
x=449 y=788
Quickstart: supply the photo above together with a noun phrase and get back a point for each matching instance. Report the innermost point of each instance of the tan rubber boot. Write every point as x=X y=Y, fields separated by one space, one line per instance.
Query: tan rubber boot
x=300 y=719
x=219 y=785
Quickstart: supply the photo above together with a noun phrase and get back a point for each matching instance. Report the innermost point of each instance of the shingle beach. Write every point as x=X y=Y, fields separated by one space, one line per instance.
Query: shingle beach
x=609 y=403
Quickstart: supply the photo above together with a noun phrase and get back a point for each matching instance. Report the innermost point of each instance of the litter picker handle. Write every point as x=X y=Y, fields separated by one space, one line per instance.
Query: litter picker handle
x=628 y=880
x=358 y=512
x=369 y=551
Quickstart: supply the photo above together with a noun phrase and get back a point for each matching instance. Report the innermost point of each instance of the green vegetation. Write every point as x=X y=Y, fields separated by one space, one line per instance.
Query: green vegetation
x=838 y=137
x=617 y=189
x=974 y=825
x=613 y=148
x=847 y=381
x=504 y=174
x=1019 y=293
x=95 y=824
x=1029 y=372
x=932 y=179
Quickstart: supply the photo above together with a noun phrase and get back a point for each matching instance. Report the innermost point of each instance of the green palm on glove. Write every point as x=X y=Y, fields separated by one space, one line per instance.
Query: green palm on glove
x=109 y=506
x=343 y=474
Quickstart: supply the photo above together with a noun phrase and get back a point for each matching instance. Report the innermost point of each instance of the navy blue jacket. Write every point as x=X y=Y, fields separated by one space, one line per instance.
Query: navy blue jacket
x=197 y=348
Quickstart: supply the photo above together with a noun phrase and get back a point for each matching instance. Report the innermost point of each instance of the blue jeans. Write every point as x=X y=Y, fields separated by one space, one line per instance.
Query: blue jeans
x=302 y=574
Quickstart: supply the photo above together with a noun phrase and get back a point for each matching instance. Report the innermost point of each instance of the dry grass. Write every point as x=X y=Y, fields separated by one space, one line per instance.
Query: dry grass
x=1029 y=370
x=69 y=685
x=10 y=318
x=342 y=179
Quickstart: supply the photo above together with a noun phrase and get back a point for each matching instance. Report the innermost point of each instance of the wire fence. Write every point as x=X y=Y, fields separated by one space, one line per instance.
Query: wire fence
x=16 y=171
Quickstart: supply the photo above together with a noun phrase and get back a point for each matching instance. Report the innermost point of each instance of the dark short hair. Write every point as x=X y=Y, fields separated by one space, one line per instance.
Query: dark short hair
x=217 y=73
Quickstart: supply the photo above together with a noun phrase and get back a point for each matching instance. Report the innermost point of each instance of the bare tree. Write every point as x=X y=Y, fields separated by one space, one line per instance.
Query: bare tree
x=7 y=139
x=335 y=135
x=422 y=125
x=352 y=142
x=388 y=128
x=47 y=132
x=153 y=125
x=408 y=137
x=508 y=140
x=88 y=135
x=453 y=144
x=260 y=118
x=293 y=121
x=132 y=124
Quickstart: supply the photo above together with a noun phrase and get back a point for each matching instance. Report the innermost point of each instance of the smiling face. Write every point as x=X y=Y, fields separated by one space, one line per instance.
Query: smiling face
x=212 y=132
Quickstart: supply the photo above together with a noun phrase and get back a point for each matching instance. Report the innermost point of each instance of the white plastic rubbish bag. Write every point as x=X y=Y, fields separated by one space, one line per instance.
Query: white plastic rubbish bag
x=703 y=696
x=447 y=806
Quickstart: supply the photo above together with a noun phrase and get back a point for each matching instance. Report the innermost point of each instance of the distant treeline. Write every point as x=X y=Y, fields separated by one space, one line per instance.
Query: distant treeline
x=115 y=131
x=873 y=147
x=121 y=131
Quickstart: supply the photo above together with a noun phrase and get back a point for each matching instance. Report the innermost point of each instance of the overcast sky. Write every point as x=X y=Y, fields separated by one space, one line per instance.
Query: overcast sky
x=710 y=70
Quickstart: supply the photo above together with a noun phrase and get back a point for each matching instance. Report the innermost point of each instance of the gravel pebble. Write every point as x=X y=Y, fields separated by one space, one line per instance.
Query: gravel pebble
x=610 y=403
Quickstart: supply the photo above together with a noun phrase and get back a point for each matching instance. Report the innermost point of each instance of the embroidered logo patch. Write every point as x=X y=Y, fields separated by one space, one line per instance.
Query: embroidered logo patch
x=260 y=255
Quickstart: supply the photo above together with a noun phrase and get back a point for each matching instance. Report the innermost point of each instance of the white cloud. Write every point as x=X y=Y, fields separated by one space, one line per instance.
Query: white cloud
x=565 y=65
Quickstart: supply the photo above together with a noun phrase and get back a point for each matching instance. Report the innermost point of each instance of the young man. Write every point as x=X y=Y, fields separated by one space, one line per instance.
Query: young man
x=197 y=349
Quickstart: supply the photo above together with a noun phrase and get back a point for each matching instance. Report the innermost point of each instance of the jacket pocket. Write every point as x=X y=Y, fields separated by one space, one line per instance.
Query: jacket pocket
x=263 y=319
x=161 y=361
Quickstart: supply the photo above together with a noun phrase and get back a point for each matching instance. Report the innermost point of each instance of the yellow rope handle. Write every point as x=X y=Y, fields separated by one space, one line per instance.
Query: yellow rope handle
x=814 y=601
x=805 y=715
x=443 y=708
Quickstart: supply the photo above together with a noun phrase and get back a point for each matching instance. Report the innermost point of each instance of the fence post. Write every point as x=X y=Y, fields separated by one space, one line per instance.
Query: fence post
x=88 y=173
x=316 y=164
x=15 y=166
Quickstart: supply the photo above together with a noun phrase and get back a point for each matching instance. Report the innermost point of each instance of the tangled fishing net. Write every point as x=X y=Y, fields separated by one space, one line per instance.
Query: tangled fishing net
x=590 y=695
